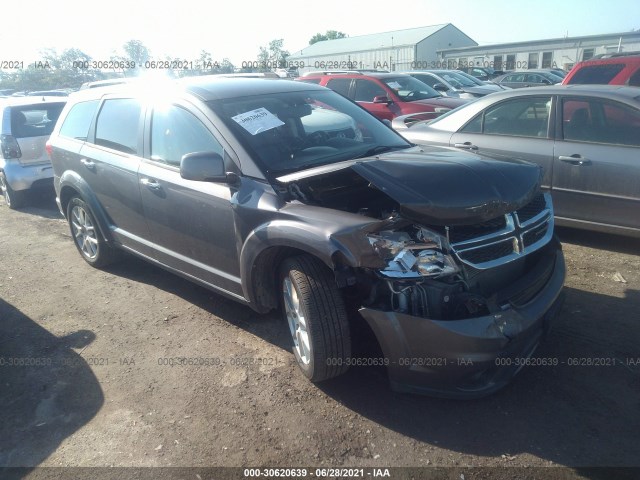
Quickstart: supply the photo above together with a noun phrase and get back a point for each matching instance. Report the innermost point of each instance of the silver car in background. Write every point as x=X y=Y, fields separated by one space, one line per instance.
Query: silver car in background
x=453 y=83
x=586 y=138
x=27 y=123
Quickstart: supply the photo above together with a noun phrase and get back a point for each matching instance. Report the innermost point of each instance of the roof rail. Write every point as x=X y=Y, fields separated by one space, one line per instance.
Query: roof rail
x=615 y=54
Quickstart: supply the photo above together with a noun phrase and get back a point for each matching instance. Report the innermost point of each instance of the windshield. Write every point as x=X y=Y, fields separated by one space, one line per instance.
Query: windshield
x=457 y=80
x=410 y=89
x=291 y=131
x=471 y=78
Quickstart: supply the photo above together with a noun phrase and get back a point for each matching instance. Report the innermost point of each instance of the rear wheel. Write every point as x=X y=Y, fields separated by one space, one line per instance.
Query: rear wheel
x=86 y=236
x=315 y=311
x=13 y=199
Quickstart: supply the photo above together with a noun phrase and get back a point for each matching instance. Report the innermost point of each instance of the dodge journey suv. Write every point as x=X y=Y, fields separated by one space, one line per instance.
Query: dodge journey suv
x=286 y=195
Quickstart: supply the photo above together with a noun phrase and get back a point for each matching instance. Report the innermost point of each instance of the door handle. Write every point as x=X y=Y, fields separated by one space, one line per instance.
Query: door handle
x=575 y=159
x=88 y=163
x=151 y=184
x=466 y=146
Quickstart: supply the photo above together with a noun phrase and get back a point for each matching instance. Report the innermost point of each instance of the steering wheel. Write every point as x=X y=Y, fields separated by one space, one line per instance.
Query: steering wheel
x=317 y=138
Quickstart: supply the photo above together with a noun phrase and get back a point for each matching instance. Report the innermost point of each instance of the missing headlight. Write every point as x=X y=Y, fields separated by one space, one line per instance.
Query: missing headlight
x=421 y=255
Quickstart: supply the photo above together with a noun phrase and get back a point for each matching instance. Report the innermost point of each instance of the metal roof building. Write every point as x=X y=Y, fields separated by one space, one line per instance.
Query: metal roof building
x=407 y=49
x=555 y=52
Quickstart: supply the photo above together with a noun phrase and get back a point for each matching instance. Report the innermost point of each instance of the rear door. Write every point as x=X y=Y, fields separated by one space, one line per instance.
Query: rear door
x=109 y=163
x=191 y=223
x=596 y=175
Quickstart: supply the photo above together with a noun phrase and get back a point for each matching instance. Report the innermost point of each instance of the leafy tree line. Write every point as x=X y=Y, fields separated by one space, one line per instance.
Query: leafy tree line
x=73 y=67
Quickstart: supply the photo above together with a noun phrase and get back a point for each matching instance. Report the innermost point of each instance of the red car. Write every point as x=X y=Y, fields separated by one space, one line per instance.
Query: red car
x=610 y=69
x=385 y=95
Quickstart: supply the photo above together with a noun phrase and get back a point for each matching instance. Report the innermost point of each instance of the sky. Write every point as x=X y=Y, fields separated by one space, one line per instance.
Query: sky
x=237 y=28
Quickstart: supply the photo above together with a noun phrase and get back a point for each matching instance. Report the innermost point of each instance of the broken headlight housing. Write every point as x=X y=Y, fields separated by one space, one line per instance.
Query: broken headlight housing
x=423 y=254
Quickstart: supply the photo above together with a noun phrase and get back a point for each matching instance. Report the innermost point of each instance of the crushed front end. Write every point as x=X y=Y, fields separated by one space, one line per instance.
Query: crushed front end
x=458 y=310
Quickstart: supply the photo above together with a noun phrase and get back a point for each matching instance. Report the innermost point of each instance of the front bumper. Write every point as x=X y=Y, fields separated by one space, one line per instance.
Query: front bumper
x=23 y=177
x=467 y=358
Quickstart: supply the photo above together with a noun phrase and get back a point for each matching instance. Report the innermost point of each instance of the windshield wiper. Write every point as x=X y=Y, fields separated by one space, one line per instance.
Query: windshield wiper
x=381 y=149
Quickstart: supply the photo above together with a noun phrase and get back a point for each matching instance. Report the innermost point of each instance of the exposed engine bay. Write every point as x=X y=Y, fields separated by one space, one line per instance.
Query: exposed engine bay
x=444 y=269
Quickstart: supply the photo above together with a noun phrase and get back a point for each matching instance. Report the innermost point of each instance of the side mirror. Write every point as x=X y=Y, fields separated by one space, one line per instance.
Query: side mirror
x=440 y=87
x=546 y=82
x=382 y=99
x=205 y=167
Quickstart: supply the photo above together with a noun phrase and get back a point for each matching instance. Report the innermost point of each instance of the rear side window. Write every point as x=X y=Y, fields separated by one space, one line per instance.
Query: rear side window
x=634 y=81
x=78 y=120
x=340 y=85
x=117 y=125
x=34 y=120
x=596 y=74
x=600 y=121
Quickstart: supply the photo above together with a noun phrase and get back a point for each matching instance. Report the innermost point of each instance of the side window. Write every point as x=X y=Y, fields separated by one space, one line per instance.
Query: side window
x=118 y=123
x=534 y=78
x=176 y=132
x=524 y=117
x=600 y=122
x=78 y=120
x=634 y=80
x=428 y=79
x=474 y=126
x=366 y=90
x=340 y=85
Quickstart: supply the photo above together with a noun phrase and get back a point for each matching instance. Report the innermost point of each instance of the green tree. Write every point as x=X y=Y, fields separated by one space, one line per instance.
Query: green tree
x=136 y=50
x=329 y=35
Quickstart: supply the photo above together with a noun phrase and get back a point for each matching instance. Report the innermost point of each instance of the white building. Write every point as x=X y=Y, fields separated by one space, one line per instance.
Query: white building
x=553 y=53
x=413 y=48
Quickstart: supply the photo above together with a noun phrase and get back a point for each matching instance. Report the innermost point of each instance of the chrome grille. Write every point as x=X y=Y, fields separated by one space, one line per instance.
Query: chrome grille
x=506 y=238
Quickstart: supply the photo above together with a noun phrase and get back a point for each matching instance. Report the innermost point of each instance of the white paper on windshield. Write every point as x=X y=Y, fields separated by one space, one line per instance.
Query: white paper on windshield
x=258 y=120
x=395 y=85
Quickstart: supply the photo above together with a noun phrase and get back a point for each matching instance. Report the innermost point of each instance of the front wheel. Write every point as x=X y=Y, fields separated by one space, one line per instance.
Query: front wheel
x=86 y=236
x=14 y=199
x=315 y=311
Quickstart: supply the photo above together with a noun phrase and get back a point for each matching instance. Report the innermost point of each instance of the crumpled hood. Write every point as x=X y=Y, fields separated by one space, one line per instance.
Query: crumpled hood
x=442 y=186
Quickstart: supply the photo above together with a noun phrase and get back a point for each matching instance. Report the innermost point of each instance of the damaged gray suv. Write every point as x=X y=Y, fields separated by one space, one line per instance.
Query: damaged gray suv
x=287 y=195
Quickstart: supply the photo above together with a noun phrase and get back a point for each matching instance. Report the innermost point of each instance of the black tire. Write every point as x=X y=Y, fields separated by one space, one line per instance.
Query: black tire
x=13 y=199
x=86 y=235
x=323 y=310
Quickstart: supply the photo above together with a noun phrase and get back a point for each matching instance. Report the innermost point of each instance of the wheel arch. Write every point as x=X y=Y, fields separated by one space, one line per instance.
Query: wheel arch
x=73 y=185
x=268 y=246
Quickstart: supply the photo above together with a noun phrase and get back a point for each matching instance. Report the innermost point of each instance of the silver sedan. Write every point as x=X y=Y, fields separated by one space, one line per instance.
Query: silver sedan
x=586 y=138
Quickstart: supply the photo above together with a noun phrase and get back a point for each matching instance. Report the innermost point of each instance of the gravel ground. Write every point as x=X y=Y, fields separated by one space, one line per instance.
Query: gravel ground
x=103 y=393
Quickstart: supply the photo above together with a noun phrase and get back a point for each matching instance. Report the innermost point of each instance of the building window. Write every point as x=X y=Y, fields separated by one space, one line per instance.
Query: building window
x=533 y=60
x=547 y=58
x=587 y=53
x=511 y=62
x=497 y=62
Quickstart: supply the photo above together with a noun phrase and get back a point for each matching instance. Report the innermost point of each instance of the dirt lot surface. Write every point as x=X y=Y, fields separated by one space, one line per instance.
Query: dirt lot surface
x=103 y=393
